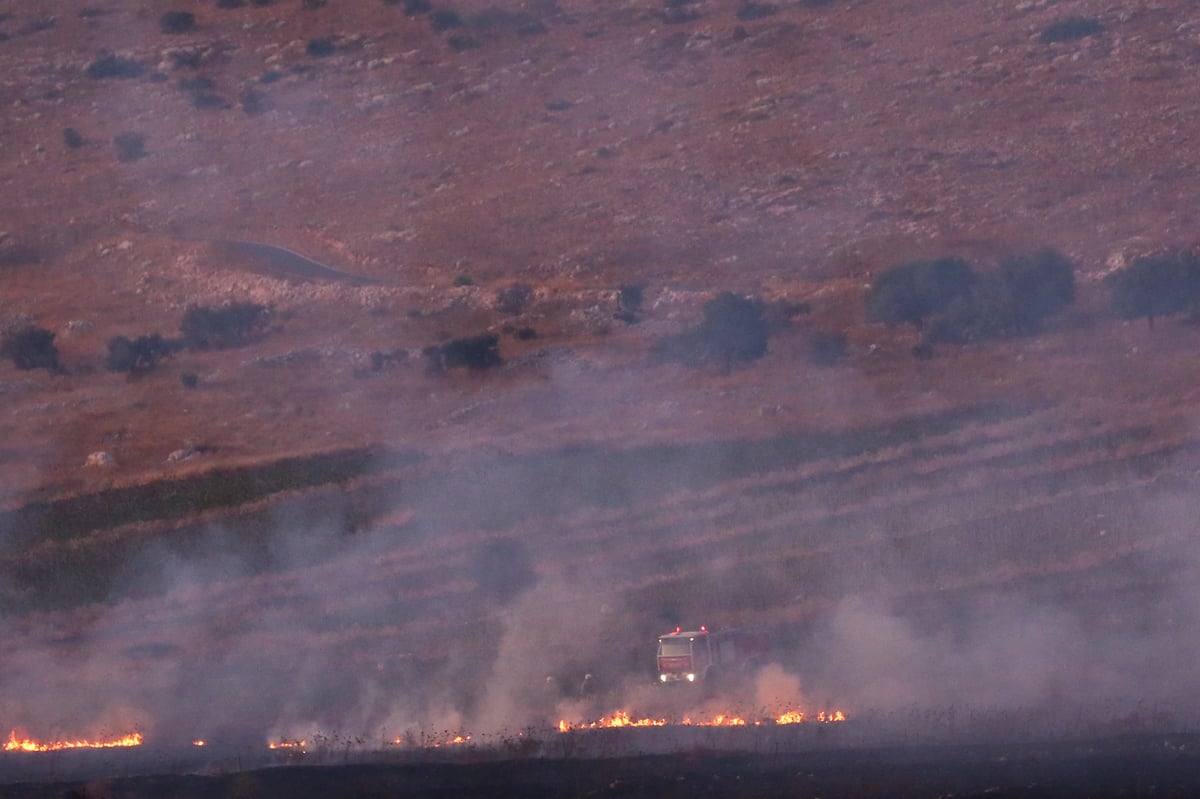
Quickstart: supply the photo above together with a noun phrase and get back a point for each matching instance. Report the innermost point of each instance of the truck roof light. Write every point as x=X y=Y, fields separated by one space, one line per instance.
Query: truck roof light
x=703 y=629
x=678 y=630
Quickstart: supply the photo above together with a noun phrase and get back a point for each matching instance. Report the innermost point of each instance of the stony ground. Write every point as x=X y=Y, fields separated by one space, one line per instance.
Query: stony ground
x=1004 y=525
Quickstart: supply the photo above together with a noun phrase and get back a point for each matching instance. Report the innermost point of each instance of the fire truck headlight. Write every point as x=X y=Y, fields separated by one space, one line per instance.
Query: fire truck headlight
x=691 y=678
x=662 y=677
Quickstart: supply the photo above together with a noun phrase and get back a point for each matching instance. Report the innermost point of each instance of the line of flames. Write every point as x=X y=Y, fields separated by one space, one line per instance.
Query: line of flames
x=28 y=745
x=622 y=719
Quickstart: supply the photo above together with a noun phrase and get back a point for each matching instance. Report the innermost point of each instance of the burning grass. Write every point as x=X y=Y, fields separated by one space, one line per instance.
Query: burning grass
x=15 y=744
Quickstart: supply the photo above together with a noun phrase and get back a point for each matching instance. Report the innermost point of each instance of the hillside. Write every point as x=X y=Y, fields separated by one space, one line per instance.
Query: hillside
x=354 y=545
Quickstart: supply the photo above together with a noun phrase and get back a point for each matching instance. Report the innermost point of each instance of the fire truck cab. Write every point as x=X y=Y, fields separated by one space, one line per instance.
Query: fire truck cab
x=698 y=656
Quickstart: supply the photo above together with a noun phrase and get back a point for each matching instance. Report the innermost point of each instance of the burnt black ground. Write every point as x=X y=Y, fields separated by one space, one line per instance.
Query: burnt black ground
x=1147 y=765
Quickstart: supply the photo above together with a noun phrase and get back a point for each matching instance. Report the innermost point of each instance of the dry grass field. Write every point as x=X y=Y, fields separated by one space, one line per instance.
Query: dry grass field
x=357 y=547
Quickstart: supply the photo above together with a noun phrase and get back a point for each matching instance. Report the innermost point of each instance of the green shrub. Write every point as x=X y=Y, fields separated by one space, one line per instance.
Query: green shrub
x=1039 y=284
x=734 y=327
x=911 y=292
x=130 y=146
x=749 y=10
x=177 y=22
x=1158 y=285
x=31 y=347
x=473 y=352
x=222 y=327
x=1069 y=29
x=321 y=47
x=445 y=19
x=460 y=42
x=138 y=356
x=114 y=66
x=630 y=297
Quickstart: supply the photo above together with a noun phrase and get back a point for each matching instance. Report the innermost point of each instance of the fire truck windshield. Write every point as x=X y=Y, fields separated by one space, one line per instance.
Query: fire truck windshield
x=674 y=647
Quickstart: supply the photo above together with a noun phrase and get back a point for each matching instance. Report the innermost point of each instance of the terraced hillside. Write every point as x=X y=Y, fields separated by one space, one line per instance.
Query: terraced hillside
x=311 y=531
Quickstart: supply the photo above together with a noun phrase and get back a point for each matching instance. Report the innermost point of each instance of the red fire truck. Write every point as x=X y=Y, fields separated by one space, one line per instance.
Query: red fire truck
x=700 y=656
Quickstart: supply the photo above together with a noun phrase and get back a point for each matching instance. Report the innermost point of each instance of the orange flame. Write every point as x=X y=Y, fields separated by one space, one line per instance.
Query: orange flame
x=199 y=742
x=620 y=718
x=28 y=745
x=300 y=745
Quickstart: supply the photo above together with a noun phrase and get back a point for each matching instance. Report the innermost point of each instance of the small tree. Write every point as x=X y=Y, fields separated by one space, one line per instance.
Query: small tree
x=734 y=328
x=1069 y=29
x=1157 y=285
x=138 y=356
x=31 y=347
x=130 y=146
x=1039 y=284
x=177 y=22
x=473 y=352
x=219 y=328
x=911 y=292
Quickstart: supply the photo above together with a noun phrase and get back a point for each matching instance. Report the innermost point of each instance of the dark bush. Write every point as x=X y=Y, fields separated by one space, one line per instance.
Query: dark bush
x=72 y=138
x=464 y=280
x=1039 y=284
x=114 y=66
x=734 y=328
x=513 y=299
x=1158 y=285
x=197 y=83
x=749 y=10
x=253 y=102
x=989 y=311
x=312 y=5
x=189 y=58
x=206 y=101
x=31 y=347
x=138 y=356
x=321 y=47
x=445 y=19
x=1069 y=29
x=189 y=380
x=412 y=7
x=130 y=146
x=474 y=352
x=826 y=348
x=459 y=42
x=630 y=297
x=222 y=327
x=177 y=22
x=230 y=3
x=910 y=292
x=677 y=16
x=381 y=359
x=526 y=334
